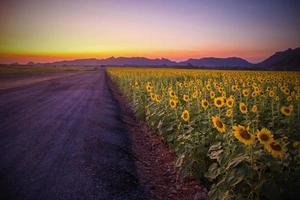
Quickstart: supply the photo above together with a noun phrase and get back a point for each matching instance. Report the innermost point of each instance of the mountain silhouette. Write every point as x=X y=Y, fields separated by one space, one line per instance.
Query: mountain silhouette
x=284 y=60
x=119 y=61
x=288 y=58
x=212 y=61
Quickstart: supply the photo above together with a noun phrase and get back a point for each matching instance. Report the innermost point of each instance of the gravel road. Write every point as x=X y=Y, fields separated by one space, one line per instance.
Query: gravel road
x=65 y=139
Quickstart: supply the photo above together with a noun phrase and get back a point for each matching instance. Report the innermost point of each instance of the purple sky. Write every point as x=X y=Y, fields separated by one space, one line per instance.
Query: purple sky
x=60 y=29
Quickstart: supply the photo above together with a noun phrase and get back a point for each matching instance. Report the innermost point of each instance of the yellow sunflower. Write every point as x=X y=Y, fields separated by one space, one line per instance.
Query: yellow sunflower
x=245 y=92
x=204 y=104
x=275 y=149
x=254 y=94
x=149 y=84
x=286 y=110
x=218 y=124
x=148 y=88
x=208 y=87
x=212 y=94
x=195 y=94
x=186 y=98
x=234 y=88
x=271 y=93
x=264 y=136
x=241 y=133
x=172 y=93
x=219 y=102
x=230 y=102
x=254 y=109
x=229 y=112
x=297 y=97
x=185 y=115
x=152 y=96
x=243 y=108
x=157 y=98
x=173 y=103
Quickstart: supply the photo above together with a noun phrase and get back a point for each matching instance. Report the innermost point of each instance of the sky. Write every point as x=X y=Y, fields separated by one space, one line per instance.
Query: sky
x=51 y=30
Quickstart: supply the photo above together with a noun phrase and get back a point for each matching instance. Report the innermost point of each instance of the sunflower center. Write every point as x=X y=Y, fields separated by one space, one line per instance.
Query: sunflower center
x=219 y=102
x=219 y=124
x=264 y=137
x=243 y=107
x=275 y=147
x=185 y=115
x=205 y=103
x=287 y=110
x=244 y=134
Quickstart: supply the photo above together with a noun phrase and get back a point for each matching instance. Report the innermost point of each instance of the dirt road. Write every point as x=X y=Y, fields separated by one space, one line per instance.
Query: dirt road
x=64 y=139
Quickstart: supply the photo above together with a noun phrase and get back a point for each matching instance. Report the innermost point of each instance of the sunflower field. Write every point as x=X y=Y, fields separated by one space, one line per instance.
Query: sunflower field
x=237 y=132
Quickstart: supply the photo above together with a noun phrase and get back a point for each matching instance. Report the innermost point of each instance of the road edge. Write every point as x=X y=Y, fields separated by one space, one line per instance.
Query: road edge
x=155 y=162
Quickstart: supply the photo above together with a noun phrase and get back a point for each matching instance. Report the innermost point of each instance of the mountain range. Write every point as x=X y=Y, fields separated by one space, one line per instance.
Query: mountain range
x=284 y=60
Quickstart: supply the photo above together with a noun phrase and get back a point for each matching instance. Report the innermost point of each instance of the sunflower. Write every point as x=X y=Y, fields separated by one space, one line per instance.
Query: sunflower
x=218 y=124
x=186 y=98
x=286 y=110
x=208 y=87
x=212 y=94
x=204 y=104
x=230 y=102
x=297 y=97
x=271 y=93
x=243 y=108
x=254 y=94
x=185 y=115
x=149 y=84
x=245 y=92
x=157 y=98
x=173 y=103
x=229 y=112
x=152 y=96
x=195 y=94
x=172 y=93
x=219 y=102
x=286 y=91
x=254 y=109
x=241 y=133
x=275 y=149
x=264 y=136
x=234 y=88
x=148 y=88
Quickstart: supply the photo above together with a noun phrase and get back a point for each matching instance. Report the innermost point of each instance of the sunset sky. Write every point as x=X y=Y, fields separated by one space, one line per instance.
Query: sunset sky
x=50 y=30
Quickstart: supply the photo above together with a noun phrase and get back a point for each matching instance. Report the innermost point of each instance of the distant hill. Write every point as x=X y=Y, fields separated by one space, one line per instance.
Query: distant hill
x=285 y=60
x=141 y=61
x=211 y=62
x=288 y=58
x=119 y=61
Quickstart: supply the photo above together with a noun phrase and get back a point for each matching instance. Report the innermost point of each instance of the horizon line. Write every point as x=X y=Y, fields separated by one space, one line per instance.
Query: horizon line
x=103 y=58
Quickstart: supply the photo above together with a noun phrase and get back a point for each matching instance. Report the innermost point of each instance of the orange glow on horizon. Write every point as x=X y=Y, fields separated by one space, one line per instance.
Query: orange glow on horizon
x=179 y=55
